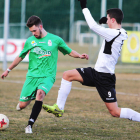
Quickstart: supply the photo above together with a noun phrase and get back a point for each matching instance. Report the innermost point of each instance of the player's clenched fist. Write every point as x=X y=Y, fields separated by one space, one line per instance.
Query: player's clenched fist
x=84 y=56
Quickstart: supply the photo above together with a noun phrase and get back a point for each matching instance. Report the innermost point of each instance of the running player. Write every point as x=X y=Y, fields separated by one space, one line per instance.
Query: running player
x=43 y=47
x=102 y=76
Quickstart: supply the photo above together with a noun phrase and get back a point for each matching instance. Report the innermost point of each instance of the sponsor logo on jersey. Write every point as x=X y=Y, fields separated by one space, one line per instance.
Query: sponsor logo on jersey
x=33 y=43
x=49 y=43
x=45 y=55
x=38 y=50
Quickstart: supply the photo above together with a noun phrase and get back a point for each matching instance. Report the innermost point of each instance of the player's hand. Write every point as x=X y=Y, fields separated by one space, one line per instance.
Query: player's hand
x=84 y=56
x=4 y=74
x=83 y=3
x=103 y=20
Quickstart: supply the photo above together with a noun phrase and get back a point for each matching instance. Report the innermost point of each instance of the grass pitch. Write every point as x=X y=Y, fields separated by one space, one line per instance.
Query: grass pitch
x=85 y=117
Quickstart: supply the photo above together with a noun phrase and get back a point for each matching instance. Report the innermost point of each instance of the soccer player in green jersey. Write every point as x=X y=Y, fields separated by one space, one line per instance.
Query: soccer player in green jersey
x=43 y=54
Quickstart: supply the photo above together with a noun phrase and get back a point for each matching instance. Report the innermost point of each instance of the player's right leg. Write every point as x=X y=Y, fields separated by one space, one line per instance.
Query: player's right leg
x=65 y=88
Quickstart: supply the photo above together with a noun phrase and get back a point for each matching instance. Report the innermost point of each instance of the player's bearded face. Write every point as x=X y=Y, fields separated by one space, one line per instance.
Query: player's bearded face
x=36 y=31
x=39 y=34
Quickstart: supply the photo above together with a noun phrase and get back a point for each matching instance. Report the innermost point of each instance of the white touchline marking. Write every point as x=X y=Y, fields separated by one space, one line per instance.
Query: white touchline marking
x=76 y=88
x=11 y=81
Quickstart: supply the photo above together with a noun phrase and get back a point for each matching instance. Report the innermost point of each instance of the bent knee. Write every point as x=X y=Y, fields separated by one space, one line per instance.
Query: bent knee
x=40 y=95
x=66 y=75
x=70 y=75
x=114 y=113
x=22 y=105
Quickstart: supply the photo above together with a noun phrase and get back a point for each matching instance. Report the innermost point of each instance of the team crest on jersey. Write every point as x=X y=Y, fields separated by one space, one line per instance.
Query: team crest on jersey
x=33 y=43
x=49 y=43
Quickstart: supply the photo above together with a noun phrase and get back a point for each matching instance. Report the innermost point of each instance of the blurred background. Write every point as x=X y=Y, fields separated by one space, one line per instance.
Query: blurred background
x=65 y=19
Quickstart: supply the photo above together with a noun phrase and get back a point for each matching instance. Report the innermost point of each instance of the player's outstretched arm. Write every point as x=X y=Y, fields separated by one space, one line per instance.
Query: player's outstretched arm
x=102 y=31
x=13 y=65
x=77 y=55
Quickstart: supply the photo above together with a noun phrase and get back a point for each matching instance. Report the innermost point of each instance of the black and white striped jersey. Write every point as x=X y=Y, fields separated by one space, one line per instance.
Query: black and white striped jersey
x=111 y=46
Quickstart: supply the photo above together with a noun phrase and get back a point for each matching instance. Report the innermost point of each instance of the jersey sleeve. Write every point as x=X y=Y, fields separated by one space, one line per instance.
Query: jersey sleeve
x=62 y=47
x=107 y=33
x=25 y=50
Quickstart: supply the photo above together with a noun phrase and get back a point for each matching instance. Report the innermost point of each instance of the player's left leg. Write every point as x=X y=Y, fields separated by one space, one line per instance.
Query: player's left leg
x=126 y=113
x=35 y=110
x=44 y=86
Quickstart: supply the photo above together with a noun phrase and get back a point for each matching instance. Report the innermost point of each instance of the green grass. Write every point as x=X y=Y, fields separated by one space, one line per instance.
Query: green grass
x=85 y=117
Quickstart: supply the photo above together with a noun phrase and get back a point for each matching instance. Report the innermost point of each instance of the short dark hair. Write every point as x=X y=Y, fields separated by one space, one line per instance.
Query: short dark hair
x=33 y=20
x=116 y=13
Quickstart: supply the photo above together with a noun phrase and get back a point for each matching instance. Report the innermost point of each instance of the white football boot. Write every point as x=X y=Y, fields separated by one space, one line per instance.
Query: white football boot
x=18 y=108
x=28 y=129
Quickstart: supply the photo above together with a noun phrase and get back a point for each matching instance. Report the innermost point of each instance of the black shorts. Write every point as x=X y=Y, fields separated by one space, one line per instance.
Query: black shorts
x=104 y=83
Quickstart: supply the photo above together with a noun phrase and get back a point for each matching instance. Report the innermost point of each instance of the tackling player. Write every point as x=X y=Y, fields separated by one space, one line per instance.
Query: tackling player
x=43 y=47
x=102 y=76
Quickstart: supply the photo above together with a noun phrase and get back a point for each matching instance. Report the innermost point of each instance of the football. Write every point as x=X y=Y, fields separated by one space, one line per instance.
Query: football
x=4 y=122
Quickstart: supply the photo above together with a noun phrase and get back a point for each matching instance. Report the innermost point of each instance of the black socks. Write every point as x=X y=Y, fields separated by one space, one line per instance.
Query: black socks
x=35 y=112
